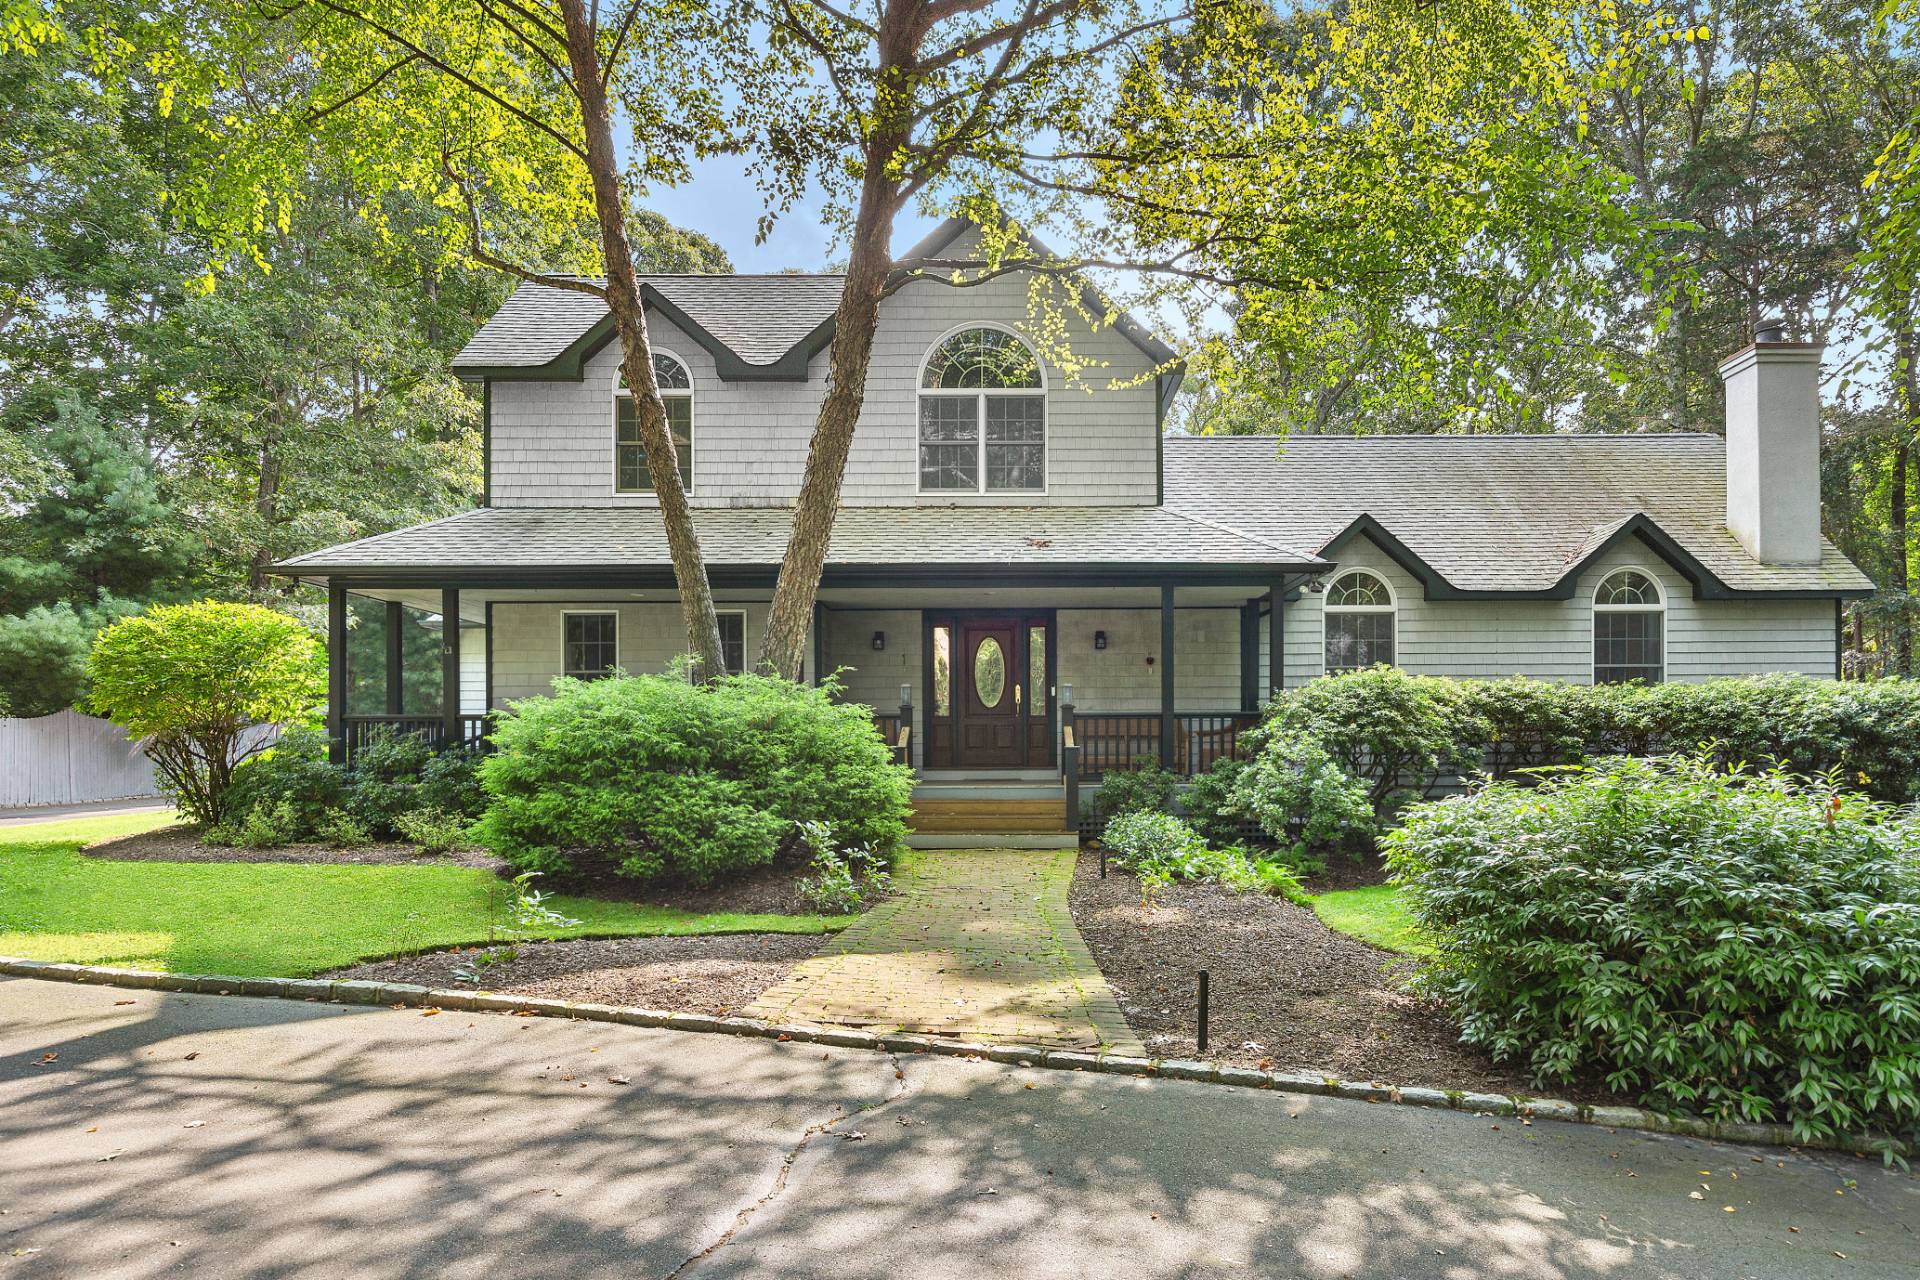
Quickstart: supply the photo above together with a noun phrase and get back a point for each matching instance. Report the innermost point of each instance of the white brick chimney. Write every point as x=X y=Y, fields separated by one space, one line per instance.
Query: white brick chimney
x=1773 y=447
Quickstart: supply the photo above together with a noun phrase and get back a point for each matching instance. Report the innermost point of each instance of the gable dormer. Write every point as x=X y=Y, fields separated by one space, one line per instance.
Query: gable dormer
x=961 y=407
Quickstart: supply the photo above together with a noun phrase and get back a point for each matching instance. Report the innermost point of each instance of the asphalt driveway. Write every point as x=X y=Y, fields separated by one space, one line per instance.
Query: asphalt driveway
x=147 y=1134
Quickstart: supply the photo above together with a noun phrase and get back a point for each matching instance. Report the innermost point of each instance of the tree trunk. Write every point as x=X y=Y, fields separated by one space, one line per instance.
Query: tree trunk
x=1907 y=402
x=266 y=505
x=629 y=318
x=869 y=261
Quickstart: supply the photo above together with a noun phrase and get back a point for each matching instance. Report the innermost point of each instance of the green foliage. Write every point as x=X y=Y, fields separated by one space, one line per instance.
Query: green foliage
x=841 y=881
x=1399 y=731
x=342 y=830
x=293 y=775
x=434 y=830
x=1392 y=730
x=650 y=776
x=1745 y=946
x=1376 y=913
x=196 y=681
x=1208 y=802
x=1302 y=798
x=1159 y=848
x=1144 y=788
x=43 y=654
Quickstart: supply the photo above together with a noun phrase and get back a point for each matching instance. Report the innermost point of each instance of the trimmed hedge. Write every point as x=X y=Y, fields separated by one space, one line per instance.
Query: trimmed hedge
x=1402 y=733
x=652 y=777
x=1745 y=946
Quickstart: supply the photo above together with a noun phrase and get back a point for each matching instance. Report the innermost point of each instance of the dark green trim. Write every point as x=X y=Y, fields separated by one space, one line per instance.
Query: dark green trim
x=1706 y=586
x=930 y=576
x=450 y=665
x=1159 y=445
x=570 y=364
x=336 y=672
x=486 y=442
x=1166 y=677
x=396 y=684
x=489 y=676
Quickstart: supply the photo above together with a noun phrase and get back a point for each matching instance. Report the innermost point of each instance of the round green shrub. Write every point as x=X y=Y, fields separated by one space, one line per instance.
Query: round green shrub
x=1745 y=946
x=1209 y=803
x=1144 y=788
x=1299 y=794
x=649 y=776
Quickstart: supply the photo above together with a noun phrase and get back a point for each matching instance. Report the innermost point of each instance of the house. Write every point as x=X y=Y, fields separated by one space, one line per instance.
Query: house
x=1026 y=561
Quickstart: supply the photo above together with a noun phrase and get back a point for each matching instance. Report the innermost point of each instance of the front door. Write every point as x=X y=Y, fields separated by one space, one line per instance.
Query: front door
x=989 y=713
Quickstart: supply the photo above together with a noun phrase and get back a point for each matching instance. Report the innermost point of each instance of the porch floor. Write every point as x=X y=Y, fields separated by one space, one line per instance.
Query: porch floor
x=980 y=944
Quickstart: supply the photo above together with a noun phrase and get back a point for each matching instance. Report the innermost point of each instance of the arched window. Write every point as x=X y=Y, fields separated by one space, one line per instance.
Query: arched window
x=983 y=415
x=1629 y=629
x=629 y=455
x=1359 y=614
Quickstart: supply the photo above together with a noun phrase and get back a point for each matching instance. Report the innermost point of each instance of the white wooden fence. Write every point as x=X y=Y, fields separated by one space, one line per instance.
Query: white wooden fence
x=68 y=758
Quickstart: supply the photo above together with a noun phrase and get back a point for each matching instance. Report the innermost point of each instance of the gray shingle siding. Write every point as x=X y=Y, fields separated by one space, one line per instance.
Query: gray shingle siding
x=552 y=441
x=1553 y=639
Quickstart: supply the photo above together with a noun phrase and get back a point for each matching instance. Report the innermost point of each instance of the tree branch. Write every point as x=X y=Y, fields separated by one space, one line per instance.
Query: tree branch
x=477 y=249
x=316 y=117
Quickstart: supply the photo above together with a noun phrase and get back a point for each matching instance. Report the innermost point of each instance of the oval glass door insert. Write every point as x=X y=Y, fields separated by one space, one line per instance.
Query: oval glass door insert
x=989 y=673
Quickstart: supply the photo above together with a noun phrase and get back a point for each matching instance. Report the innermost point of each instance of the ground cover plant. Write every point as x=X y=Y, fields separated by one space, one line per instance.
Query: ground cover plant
x=652 y=777
x=1160 y=849
x=285 y=920
x=1742 y=945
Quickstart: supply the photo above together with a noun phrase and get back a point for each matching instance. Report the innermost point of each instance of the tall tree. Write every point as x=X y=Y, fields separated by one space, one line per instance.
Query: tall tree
x=500 y=117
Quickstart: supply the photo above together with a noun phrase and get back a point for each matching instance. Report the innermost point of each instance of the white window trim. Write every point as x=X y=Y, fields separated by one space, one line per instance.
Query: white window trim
x=1659 y=607
x=589 y=613
x=690 y=395
x=1328 y=611
x=742 y=614
x=980 y=415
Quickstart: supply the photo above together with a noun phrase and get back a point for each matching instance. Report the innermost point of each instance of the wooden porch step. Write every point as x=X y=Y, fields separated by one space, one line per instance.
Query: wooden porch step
x=989 y=815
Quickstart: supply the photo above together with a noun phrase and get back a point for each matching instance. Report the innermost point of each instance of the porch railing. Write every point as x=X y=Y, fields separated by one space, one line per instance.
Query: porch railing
x=1118 y=741
x=896 y=730
x=361 y=730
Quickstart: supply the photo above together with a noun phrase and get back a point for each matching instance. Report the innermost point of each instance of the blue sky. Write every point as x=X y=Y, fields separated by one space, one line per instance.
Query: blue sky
x=721 y=202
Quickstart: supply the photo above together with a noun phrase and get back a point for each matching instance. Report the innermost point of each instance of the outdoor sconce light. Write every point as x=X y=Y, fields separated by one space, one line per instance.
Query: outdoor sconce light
x=906 y=695
x=1066 y=694
x=1149 y=660
x=879 y=641
x=1099 y=639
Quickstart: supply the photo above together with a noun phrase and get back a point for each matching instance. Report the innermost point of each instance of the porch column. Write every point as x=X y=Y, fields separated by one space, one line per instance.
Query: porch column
x=1166 y=677
x=1250 y=656
x=396 y=698
x=450 y=667
x=1277 y=639
x=336 y=673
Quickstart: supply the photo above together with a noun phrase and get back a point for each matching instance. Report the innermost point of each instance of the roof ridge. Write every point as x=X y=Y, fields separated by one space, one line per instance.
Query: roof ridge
x=1501 y=437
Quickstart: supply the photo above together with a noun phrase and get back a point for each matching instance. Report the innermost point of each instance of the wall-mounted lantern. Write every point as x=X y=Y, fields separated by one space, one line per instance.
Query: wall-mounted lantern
x=1099 y=639
x=906 y=695
x=879 y=641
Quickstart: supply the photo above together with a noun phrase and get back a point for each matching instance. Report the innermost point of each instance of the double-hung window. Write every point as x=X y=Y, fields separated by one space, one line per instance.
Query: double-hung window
x=630 y=474
x=1629 y=629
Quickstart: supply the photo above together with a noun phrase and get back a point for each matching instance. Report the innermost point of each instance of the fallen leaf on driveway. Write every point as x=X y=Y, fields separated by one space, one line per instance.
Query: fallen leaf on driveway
x=193 y=1055
x=1695 y=1195
x=429 y=1011
x=194 y=1124
x=854 y=1136
x=619 y=1079
x=118 y=1003
x=46 y=1058
x=109 y=1156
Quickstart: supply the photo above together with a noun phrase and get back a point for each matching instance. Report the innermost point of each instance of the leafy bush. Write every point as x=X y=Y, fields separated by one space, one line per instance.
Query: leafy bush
x=1301 y=796
x=1743 y=945
x=391 y=777
x=1160 y=848
x=1397 y=733
x=1144 y=788
x=342 y=830
x=196 y=682
x=291 y=778
x=435 y=830
x=650 y=776
x=842 y=880
x=1209 y=801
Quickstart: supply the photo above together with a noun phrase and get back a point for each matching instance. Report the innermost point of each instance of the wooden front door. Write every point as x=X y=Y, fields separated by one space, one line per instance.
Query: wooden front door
x=990 y=723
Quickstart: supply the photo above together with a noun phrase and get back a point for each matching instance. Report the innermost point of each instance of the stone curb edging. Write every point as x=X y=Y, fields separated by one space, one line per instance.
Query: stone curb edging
x=361 y=991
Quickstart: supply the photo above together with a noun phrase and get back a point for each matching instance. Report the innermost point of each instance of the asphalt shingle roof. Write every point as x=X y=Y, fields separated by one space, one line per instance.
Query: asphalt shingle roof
x=594 y=537
x=1488 y=513
x=758 y=317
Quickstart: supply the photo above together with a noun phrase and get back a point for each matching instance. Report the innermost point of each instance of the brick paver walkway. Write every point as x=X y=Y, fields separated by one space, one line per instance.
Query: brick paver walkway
x=979 y=945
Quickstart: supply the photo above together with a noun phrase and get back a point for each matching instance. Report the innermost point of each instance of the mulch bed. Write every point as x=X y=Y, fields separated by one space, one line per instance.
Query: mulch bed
x=1287 y=993
x=183 y=844
x=1360 y=871
x=712 y=975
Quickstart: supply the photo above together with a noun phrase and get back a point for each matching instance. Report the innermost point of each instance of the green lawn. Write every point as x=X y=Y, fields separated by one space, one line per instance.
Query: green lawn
x=1373 y=914
x=275 y=919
